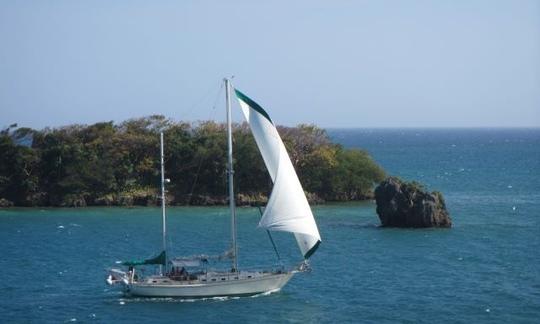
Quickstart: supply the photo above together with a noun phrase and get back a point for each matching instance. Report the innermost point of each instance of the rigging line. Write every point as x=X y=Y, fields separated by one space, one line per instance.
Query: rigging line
x=214 y=104
x=201 y=158
x=200 y=102
x=270 y=237
x=212 y=112
x=195 y=180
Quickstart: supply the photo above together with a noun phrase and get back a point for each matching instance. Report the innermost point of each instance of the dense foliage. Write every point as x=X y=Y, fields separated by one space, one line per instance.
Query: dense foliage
x=108 y=164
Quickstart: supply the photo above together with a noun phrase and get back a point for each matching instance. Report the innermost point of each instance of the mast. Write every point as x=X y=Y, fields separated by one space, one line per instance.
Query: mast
x=164 y=220
x=230 y=173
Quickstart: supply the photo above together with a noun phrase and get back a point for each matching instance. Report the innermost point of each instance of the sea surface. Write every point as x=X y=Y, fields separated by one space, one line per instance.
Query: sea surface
x=486 y=269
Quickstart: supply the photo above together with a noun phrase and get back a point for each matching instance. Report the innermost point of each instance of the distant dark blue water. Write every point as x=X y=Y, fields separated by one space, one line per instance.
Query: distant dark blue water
x=485 y=269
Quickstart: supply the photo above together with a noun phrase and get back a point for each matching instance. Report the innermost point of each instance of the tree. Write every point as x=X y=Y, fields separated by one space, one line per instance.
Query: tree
x=107 y=163
x=18 y=164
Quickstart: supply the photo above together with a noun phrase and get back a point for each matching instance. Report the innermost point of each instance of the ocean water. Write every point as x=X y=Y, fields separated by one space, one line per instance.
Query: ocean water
x=486 y=269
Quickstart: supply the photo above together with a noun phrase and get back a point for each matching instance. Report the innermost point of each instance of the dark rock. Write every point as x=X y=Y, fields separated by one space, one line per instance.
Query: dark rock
x=255 y=199
x=314 y=199
x=5 y=203
x=145 y=200
x=36 y=199
x=408 y=204
x=73 y=200
x=205 y=200
x=125 y=199
x=106 y=200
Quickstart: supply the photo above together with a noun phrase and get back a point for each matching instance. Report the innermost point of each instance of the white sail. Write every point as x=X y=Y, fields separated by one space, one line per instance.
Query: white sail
x=287 y=209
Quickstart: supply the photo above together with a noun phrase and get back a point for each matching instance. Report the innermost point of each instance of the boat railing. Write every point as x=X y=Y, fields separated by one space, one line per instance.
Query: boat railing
x=269 y=268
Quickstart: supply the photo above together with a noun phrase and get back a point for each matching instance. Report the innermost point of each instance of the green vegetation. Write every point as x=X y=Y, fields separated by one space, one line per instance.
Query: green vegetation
x=108 y=164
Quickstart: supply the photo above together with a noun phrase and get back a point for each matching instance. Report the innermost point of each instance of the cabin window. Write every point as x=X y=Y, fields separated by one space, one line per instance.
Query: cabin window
x=222 y=278
x=154 y=281
x=249 y=276
x=203 y=279
x=213 y=279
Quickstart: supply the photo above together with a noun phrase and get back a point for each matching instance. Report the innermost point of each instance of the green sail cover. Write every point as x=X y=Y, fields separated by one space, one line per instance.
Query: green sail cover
x=160 y=259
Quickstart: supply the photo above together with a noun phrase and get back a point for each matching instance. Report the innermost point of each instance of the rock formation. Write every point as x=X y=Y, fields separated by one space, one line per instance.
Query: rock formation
x=5 y=203
x=408 y=204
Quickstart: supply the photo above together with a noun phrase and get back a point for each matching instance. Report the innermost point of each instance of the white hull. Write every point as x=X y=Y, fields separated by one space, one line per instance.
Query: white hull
x=243 y=286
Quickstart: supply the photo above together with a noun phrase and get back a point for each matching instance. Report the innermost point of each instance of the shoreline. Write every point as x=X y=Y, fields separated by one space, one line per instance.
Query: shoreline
x=326 y=203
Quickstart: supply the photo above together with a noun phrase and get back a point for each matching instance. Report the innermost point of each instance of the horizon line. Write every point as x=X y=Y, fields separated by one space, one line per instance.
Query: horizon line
x=116 y=122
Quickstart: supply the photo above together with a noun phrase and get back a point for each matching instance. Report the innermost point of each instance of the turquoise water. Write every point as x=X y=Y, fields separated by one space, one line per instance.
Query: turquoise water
x=485 y=269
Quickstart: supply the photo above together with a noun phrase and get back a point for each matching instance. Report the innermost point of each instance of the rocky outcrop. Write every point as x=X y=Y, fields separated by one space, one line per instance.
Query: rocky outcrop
x=408 y=204
x=74 y=200
x=242 y=199
x=5 y=203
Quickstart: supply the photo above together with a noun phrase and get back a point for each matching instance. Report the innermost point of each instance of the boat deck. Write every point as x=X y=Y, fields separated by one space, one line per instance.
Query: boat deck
x=205 y=278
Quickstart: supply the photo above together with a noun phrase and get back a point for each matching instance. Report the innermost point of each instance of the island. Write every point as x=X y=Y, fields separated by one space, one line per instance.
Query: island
x=117 y=164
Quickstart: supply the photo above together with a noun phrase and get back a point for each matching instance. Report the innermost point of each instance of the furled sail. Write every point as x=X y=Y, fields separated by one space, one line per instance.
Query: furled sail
x=160 y=259
x=287 y=209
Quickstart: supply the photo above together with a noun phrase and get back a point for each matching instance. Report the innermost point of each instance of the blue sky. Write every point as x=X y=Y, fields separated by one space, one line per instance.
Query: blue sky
x=332 y=63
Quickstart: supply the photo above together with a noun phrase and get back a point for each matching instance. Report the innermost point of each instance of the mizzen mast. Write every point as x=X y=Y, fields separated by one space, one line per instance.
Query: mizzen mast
x=230 y=173
x=164 y=218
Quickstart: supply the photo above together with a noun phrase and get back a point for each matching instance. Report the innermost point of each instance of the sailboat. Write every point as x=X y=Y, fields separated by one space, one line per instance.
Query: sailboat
x=287 y=210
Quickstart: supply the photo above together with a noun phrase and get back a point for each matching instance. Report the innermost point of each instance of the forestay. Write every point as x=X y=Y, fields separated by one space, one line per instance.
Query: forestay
x=287 y=209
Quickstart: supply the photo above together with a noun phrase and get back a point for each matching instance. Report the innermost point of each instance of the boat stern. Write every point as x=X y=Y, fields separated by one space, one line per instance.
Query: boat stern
x=116 y=276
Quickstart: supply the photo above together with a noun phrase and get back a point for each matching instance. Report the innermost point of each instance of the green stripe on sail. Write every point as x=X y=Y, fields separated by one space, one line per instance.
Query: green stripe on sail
x=312 y=250
x=255 y=106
